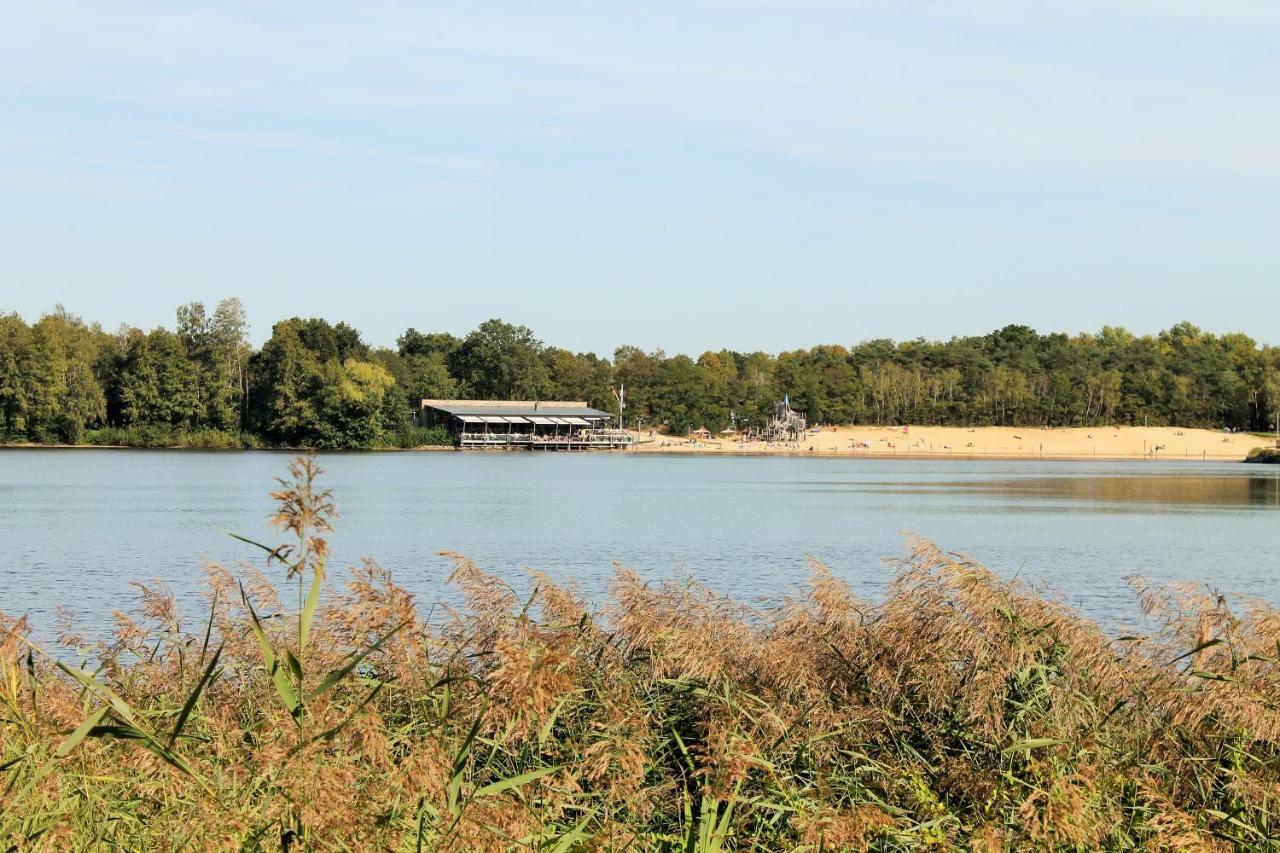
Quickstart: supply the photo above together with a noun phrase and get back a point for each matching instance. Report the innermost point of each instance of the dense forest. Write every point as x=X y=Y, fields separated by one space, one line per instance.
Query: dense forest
x=316 y=383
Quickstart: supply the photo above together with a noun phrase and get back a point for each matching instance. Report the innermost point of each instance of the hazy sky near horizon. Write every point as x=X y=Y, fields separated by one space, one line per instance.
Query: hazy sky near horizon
x=764 y=174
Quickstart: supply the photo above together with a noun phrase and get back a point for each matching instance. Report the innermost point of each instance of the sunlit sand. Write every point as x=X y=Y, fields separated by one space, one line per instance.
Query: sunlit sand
x=998 y=442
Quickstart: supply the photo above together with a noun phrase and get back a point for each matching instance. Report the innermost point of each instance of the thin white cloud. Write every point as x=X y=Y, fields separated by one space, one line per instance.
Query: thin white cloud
x=909 y=89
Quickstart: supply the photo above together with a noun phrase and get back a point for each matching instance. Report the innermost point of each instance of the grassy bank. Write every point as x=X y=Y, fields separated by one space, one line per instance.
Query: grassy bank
x=151 y=436
x=961 y=710
x=420 y=437
x=213 y=439
x=1264 y=455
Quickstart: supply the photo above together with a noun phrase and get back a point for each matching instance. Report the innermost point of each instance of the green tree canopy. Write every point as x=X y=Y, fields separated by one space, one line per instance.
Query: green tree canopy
x=318 y=383
x=501 y=361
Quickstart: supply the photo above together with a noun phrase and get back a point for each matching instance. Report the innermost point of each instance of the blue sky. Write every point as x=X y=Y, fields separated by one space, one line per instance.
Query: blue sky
x=692 y=175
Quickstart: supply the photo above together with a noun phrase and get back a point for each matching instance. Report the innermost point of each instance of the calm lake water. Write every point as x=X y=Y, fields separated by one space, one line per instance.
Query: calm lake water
x=76 y=526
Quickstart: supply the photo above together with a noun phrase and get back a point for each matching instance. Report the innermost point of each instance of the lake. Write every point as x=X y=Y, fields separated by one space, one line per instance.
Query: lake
x=78 y=525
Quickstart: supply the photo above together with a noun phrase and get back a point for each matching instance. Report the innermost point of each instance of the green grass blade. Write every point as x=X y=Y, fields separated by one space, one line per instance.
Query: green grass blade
x=513 y=782
x=128 y=732
x=309 y=608
x=259 y=633
x=170 y=757
x=1211 y=676
x=295 y=666
x=1217 y=641
x=286 y=691
x=97 y=688
x=460 y=757
x=187 y=706
x=208 y=628
x=341 y=672
x=276 y=553
x=82 y=731
x=118 y=730
x=722 y=827
x=333 y=730
x=1032 y=743
x=574 y=837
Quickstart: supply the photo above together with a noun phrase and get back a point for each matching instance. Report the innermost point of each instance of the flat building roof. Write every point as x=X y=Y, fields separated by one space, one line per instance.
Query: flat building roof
x=516 y=412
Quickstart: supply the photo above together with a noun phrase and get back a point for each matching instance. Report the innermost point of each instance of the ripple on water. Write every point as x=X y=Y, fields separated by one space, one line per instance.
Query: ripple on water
x=79 y=526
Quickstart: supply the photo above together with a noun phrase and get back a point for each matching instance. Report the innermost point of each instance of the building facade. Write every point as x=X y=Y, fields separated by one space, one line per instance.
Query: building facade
x=525 y=424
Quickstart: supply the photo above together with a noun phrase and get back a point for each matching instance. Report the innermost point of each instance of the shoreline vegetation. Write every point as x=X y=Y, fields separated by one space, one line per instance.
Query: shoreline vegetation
x=1265 y=455
x=963 y=710
x=314 y=383
x=411 y=438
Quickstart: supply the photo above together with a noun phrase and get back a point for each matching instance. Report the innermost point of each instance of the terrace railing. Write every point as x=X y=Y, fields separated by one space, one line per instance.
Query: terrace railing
x=582 y=438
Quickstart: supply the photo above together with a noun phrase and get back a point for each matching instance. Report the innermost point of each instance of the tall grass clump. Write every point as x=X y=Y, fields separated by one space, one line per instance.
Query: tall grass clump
x=414 y=436
x=150 y=436
x=962 y=711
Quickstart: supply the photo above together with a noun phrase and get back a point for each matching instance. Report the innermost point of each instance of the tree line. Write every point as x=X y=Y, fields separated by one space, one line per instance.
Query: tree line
x=316 y=383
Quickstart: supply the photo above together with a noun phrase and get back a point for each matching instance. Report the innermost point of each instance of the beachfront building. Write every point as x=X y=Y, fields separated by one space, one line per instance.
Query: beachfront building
x=533 y=425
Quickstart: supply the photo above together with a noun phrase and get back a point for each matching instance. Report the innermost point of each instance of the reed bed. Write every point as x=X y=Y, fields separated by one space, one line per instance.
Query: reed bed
x=963 y=710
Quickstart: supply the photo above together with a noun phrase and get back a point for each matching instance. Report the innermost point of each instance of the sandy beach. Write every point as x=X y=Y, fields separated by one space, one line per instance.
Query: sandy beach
x=929 y=442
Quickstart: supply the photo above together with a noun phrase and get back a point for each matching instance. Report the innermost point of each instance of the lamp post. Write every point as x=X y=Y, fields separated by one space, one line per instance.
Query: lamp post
x=1273 y=400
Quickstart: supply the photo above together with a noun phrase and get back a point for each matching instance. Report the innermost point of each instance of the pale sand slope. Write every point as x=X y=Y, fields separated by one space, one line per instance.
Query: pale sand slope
x=1009 y=442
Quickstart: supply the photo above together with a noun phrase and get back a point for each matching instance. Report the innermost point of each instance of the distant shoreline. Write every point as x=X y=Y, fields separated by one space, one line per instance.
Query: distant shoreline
x=1069 y=444
x=34 y=446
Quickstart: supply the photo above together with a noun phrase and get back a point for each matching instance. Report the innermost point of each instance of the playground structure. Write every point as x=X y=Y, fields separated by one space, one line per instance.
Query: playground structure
x=787 y=424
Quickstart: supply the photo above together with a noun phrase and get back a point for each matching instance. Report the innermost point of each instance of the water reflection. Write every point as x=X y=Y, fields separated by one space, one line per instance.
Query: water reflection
x=1100 y=490
x=77 y=527
x=1197 y=491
